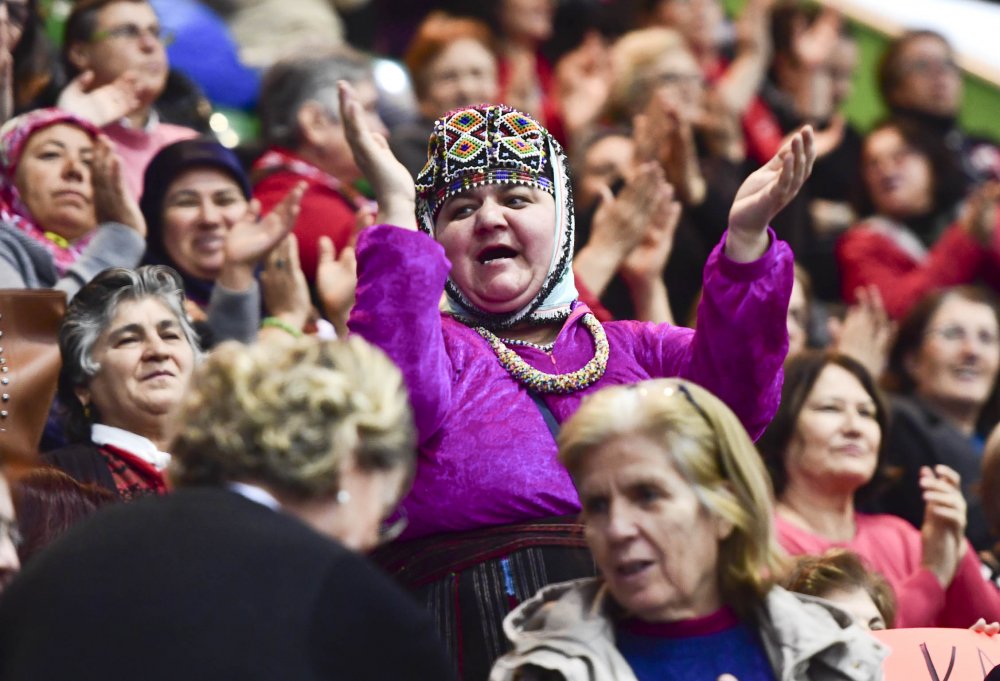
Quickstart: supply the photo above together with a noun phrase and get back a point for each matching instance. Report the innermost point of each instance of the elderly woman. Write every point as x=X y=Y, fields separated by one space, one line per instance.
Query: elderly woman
x=196 y=201
x=677 y=512
x=64 y=212
x=824 y=449
x=452 y=63
x=128 y=351
x=514 y=352
x=943 y=370
x=284 y=462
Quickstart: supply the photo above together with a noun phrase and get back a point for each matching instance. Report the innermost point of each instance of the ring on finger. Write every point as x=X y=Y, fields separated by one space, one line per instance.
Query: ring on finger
x=279 y=263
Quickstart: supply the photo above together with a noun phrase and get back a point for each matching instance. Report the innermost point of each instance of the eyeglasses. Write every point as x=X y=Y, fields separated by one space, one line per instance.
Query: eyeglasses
x=674 y=79
x=134 y=33
x=8 y=528
x=17 y=12
x=922 y=67
x=953 y=333
x=678 y=387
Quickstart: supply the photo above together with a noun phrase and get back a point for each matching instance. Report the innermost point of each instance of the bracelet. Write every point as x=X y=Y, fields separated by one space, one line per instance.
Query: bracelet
x=283 y=325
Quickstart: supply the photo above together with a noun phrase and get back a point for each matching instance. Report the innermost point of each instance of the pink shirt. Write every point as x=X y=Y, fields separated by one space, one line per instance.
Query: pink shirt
x=137 y=147
x=893 y=547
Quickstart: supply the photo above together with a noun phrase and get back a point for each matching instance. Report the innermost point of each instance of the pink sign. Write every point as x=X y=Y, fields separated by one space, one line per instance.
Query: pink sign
x=938 y=654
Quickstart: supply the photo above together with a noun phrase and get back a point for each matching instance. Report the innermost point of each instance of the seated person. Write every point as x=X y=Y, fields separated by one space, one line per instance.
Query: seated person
x=285 y=461
x=824 y=449
x=943 y=369
x=64 y=212
x=677 y=512
x=128 y=350
x=513 y=352
x=201 y=223
x=840 y=576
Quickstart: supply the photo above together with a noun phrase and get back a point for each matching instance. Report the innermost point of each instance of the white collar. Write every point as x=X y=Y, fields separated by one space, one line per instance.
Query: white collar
x=256 y=494
x=152 y=120
x=132 y=443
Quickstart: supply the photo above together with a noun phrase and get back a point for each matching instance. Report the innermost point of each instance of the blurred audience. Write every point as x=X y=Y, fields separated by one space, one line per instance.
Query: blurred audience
x=65 y=214
x=114 y=50
x=677 y=512
x=128 y=351
x=284 y=462
x=10 y=536
x=825 y=450
x=30 y=74
x=304 y=135
x=943 y=369
x=201 y=223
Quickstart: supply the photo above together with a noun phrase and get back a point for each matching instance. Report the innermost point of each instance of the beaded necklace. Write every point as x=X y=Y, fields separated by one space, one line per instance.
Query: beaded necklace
x=541 y=382
x=547 y=348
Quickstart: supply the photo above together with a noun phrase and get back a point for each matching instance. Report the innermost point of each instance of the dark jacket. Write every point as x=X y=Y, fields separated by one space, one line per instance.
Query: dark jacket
x=206 y=584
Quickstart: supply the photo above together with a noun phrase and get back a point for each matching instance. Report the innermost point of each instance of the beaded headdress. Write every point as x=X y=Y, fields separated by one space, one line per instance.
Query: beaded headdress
x=495 y=144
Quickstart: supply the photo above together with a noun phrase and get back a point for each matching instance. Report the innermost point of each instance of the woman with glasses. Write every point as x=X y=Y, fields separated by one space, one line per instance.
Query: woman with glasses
x=943 y=369
x=676 y=508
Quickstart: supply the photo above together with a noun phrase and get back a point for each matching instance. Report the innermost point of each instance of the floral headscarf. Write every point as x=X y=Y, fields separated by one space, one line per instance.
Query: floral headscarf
x=494 y=144
x=14 y=136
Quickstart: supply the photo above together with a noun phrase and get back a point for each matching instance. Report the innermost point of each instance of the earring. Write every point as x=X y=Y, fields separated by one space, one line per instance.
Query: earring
x=86 y=411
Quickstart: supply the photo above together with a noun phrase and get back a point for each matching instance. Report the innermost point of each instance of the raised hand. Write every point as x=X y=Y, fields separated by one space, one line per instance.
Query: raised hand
x=393 y=185
x=866 y=331
x=112 y=200
x=336 y=281
x=583 y=78
x=647 y=260
x=762 y=196
x=943 y=529
x=987 y=629
x=979 y=216
x=284 y=286
x=105 y=104
x=664 y=134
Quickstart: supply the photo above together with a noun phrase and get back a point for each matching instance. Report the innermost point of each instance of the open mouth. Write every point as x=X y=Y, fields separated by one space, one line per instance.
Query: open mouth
x=633 y=568
x=494 y=253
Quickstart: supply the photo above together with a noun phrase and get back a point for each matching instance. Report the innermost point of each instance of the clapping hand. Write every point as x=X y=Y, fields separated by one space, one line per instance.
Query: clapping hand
x=102 y=105
x=112 y=200
x=943 y=529
x=336 y=281
x=284 y=286
x=762 y=196
x=393 y=185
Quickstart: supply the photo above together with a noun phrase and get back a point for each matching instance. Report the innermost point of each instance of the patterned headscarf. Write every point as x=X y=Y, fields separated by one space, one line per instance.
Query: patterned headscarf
x=14 y=136
x=494 y=144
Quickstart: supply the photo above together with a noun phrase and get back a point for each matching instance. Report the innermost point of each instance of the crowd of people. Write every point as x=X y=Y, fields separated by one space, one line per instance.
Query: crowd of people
x=623 y=356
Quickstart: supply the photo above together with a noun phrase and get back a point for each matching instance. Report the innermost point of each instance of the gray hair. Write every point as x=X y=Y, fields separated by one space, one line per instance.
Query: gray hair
x=290 y=83
x=90 y=314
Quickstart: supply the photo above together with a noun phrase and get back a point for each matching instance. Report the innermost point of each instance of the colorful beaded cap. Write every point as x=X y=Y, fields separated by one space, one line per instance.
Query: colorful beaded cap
x=484 y=145
x=541 y=382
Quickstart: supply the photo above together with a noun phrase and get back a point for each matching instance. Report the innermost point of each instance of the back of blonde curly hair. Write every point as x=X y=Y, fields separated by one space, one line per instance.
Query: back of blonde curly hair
x=293 y=416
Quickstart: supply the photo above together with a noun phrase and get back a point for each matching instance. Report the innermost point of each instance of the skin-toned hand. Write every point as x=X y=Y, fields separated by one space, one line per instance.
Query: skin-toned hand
x=393 y=185
x=661 y=133
x=814 y=45
x=583 y=78
x=336 y=281
x=866 y=331
x=721 y=128
x=979 y=216
x=986 y=628
x=284 y=285
x=646 y=261
x=620 y=224
x=765 y=193
x=105 y=104
x=112 y=200
x=943 y=529
x=251 y=238
x=6 y=78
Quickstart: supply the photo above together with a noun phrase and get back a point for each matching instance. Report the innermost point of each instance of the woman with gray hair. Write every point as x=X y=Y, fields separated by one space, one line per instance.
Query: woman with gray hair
x=128 y=350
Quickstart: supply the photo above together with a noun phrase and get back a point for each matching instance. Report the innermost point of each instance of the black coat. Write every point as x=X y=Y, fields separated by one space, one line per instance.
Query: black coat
x=206 y=584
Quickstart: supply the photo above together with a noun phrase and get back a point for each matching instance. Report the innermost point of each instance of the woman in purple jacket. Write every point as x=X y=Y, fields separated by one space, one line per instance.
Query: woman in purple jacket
x=510 y=352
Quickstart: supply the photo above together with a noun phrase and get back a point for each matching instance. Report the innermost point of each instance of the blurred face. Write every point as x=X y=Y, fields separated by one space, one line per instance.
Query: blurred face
x=499 y=239
x=654 y=542
x=527 y=20
x=326 y=134
x=899 y=178
x=127 y=38
x=53 y=179
x=836 y=439
x=843 y=63
x=798 y=319
x=371 y=498
x=606 y=162
x=929 y=78
x=145 y=367
x=675 y=79
x=9 y=563
x=13 y=17
x=956 y=365
x=860 y=606
x=200 y=208
x=697 y=20
x=465 y=73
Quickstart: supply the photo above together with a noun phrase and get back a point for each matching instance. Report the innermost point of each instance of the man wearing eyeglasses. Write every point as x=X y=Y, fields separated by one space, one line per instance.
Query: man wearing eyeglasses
x=117 y=50
x=9 y=563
